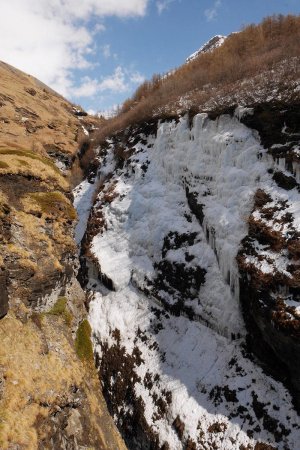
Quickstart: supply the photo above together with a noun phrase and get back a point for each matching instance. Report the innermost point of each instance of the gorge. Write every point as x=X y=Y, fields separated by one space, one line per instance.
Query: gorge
x=149 y=265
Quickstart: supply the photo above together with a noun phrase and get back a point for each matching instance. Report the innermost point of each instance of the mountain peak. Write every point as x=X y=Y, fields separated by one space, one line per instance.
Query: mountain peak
x=209 y=46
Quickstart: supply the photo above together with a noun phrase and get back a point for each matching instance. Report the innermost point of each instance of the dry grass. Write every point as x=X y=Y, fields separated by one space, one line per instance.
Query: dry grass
x=30 y=155
x=43 y=122
x=244 y=55
x=48 y=374
x=14 y=161
x=39 y=366
x=60 y=308
x=49 y=115
x=51 y=204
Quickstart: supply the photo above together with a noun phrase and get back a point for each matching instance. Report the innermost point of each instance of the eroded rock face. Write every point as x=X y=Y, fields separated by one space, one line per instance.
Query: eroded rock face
x=39 y=144
x=38 y=252
x=269 y=255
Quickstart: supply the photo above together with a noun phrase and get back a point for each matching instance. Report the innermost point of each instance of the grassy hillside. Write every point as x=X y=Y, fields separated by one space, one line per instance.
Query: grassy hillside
x=260 y=63
x=32 y=116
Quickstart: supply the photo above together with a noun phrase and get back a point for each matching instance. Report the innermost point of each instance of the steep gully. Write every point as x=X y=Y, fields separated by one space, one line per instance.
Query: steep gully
x=230 y=158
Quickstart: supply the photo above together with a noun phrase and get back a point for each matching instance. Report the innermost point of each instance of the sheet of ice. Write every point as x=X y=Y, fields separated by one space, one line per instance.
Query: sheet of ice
x=85 y=130
x=217 y=161
x=152 y=204
x=83 y=196
x=242 y=111
x=198 y=363
x=223 y=164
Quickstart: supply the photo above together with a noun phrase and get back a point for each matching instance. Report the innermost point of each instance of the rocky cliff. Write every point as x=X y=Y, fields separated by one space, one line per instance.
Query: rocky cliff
x=191 y=255
x=50 y=396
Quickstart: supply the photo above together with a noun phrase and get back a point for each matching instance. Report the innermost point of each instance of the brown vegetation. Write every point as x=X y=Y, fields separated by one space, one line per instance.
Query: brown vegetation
x=39 y=122
x=86 y=152
x=52 y=205
x=244 y=55
x=47 y=394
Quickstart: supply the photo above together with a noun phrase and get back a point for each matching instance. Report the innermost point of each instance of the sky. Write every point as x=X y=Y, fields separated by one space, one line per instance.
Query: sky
x=97 y=52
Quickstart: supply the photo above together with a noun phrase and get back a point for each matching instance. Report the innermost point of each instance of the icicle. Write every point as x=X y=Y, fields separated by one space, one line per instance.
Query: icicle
x=296 y=171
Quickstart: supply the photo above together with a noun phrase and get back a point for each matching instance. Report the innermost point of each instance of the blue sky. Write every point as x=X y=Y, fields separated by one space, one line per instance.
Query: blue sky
x=96 y=52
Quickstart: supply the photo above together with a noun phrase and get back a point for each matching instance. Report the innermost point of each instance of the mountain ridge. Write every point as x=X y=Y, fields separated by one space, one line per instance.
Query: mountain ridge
x=209 y=46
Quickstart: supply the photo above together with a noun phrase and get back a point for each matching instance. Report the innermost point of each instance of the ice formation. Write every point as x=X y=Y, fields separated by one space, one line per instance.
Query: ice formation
x=220 y=164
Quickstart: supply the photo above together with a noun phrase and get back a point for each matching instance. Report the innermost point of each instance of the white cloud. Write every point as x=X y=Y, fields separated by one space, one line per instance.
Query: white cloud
x=120 y=81
x=106 y=51
x=114 y=83
x=51 y=38
x=84 y=9
x=99 y=27
x=87 y=88
x=137 y=78
x=162 y=5
x=211 y=13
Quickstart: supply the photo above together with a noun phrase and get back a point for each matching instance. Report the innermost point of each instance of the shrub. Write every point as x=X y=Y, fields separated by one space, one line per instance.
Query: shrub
x=86 y=153
x=59 y=307
x=76 y=174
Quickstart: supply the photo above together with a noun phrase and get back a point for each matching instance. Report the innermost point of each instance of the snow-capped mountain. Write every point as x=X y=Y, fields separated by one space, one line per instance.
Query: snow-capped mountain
x=209 y=46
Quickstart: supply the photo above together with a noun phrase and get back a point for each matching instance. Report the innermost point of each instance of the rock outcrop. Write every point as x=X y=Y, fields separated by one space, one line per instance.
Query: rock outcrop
x=50 y=396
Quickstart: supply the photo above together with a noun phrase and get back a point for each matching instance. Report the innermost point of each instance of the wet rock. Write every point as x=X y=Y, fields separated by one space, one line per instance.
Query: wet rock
x=273 y=325
x=274 y=122
x=56 y=152
x=3 y=293
x=284 y=181
x=196 y=208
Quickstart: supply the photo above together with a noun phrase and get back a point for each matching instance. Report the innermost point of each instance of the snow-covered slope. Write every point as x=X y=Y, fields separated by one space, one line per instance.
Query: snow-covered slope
x=209 y=46
x=164 y=235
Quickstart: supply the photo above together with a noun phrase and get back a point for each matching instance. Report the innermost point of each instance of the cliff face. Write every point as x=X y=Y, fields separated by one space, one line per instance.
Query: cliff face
x=38 y=133
x=191 y=248
x=269 y=255
x=50 y=396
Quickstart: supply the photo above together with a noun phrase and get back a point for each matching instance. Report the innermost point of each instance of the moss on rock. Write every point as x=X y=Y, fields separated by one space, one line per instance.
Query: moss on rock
x=83 y=343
